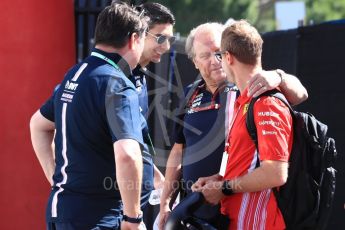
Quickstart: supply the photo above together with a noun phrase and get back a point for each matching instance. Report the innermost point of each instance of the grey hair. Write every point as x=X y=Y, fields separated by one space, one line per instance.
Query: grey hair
x=209 y=26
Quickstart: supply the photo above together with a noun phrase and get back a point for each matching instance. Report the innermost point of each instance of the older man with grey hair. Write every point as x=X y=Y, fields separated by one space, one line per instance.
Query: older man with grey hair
x=200 y=140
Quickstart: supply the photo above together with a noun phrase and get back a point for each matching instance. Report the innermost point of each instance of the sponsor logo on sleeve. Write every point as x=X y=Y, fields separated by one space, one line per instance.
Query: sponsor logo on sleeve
x=267 y=132
x=269 y=122
x=267 y=114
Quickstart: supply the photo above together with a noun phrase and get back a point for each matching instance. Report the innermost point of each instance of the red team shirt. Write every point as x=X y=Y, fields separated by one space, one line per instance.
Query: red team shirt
x=256 y=210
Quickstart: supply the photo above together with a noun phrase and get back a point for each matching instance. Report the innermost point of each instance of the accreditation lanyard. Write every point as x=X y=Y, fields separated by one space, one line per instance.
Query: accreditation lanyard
x=206 y=106
x=101 y=56
x=227 y=145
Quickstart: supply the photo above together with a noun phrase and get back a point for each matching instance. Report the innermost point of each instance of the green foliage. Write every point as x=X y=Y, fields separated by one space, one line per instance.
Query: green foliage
x=325 y=10
x=190 y=13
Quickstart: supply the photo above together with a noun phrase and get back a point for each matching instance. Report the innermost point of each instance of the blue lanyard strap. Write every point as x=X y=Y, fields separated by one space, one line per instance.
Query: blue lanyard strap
x=101 y=56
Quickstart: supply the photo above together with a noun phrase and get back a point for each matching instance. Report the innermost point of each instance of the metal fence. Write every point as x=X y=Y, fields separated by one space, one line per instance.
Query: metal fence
x=86 y=12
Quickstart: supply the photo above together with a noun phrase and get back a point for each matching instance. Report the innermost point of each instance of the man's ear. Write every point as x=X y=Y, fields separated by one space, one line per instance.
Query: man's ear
x=229 y=58
x=133 y=41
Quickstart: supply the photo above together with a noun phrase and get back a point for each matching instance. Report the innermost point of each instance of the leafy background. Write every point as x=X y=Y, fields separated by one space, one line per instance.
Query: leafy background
x=260 y=13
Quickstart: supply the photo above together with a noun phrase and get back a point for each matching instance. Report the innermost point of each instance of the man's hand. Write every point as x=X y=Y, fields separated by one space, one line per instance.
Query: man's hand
x=198 y=185
x=163 y=217
x=262 y=82
x=212 y=192
x=131 y=226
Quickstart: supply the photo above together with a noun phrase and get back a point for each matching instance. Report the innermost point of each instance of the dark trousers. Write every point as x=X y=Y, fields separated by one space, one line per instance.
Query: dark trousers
x=74 y=226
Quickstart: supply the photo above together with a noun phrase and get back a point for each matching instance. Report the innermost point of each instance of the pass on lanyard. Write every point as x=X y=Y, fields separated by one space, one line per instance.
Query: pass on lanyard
x=223 y=164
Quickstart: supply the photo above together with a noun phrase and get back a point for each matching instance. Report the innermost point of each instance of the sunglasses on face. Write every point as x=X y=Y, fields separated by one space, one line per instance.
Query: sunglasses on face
x=219 y=54
x=160 y=39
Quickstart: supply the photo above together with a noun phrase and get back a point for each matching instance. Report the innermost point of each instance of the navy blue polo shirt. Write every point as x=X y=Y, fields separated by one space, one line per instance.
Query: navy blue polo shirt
x=95 y=105
x=203 y=134
x=138 y=78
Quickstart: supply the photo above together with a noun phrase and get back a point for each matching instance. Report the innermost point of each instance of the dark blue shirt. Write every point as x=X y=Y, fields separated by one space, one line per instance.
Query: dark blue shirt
x=138 y=79
x=203 y=133
x=94 y=106
x=203 y=136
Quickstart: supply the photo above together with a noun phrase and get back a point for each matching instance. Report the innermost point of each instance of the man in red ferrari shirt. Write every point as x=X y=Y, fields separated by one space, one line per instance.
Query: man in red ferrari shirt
x=245 y=190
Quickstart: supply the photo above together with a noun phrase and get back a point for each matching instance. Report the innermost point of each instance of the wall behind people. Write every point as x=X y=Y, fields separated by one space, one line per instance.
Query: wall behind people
x=37 y=47
x=321 y=65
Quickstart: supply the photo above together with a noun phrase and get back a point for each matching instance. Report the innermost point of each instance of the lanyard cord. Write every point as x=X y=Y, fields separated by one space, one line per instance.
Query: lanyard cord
x=101 y=56
x=227 y=142
x=207 y=106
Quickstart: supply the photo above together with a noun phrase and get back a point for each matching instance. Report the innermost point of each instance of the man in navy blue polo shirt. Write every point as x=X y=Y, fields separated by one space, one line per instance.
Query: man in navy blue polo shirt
x=207 y=114
x=159 y=38
x=96 y=173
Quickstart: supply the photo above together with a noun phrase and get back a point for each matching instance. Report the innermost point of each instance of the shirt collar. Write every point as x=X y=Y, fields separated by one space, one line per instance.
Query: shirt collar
x=137 y=71
x=243 y=98
x=121 y=62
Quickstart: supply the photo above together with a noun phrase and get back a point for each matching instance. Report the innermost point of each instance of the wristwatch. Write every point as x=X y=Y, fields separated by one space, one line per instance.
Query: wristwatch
x=226 y=188
x=132 y=220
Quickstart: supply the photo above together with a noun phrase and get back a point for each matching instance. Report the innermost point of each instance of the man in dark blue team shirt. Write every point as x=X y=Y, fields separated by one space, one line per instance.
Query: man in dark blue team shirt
x=97 y=170
x=206 y=115
x=159 y=38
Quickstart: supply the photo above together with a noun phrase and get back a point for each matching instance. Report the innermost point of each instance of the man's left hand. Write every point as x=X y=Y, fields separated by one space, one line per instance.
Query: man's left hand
x=212 y=192
x=200 y=183
x=262 y=82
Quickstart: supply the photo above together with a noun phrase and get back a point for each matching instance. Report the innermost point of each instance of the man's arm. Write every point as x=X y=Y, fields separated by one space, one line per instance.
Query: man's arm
x=129 y=168
x=172 y=176
x=158 y=178
x=259 y=179
x=289 y=85
x=274 y=148
x=293 y=89
x=42 y=135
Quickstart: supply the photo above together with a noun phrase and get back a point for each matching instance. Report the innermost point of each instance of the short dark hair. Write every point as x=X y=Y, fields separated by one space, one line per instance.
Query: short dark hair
x=116 y=23
x=157 y=13
x=243 y=41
